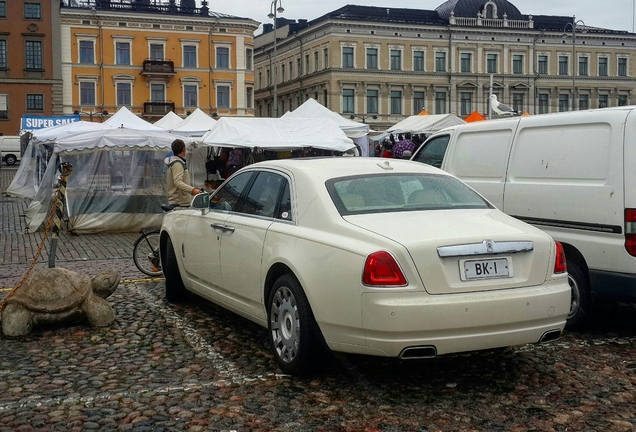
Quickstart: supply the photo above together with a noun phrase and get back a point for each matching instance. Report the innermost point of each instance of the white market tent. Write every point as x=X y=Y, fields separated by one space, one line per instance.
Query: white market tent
x=117 y=182
x=124 y=118
x=168 y=121
x=196 y=124
x=278 y=134
x=26 y=181
x=426 y=123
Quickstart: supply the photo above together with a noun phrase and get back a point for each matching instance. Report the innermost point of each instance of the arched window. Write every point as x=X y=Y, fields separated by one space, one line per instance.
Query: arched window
x=490 y=10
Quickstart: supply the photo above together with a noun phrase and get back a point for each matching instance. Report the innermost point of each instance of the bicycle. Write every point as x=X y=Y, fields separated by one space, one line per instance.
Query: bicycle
x=146 y=249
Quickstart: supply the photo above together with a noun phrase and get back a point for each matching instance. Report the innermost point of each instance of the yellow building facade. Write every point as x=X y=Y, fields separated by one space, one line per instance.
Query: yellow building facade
x=155 y=59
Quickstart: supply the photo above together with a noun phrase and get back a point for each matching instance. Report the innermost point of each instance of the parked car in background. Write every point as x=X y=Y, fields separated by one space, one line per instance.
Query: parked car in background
x=10 y=149
x=386 y=258
x=570 y=174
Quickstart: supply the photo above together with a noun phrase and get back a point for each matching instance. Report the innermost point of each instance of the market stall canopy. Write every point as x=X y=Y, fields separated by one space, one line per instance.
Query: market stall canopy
x=311 y=109
x=115 y=139
x=474 y=116
x=69 y=129
x=426 y=124
x=278 y=134
x=123 y=117
x=196 y=124
x=168 y=121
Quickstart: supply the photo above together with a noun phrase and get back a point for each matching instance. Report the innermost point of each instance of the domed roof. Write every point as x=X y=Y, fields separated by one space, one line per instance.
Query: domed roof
x=470 y=8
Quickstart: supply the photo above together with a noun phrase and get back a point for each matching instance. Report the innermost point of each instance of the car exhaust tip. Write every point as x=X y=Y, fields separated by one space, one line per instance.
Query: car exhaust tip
x=418 y=352
x=549 y=336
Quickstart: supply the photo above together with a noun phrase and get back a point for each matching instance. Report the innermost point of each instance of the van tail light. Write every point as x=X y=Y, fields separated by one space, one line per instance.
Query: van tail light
x=630 y=231
x=381 y=269
x=560 y=265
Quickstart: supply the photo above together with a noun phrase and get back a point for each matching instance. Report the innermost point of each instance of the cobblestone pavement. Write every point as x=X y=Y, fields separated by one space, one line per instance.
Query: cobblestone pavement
x=197 y=367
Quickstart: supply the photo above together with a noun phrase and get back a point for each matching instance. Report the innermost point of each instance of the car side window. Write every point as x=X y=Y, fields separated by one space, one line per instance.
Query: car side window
x=432 y=153
x=264 y=195
x=227 y=197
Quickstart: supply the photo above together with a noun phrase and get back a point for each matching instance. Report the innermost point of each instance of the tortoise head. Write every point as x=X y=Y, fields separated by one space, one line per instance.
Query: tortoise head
x=105 y=282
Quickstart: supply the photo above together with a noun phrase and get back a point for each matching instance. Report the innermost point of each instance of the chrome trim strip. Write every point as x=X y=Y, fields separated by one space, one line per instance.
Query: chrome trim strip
x=487 y=247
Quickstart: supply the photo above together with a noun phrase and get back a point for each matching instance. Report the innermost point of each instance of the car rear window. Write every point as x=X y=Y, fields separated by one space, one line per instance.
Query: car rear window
x=401 y=192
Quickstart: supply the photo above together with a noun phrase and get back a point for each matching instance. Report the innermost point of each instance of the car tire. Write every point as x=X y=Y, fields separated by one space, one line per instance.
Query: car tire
x=10 y=159
x=294 y=336
x=581 y=304
x=175 y=290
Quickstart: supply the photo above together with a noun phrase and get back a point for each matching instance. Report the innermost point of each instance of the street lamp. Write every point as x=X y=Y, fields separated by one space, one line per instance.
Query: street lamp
x=363 y=117
x=275 y=7
x=572 y=27
x=91 y=114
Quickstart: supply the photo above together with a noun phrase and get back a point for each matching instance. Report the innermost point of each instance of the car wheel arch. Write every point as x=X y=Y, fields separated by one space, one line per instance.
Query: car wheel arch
x=274 y=272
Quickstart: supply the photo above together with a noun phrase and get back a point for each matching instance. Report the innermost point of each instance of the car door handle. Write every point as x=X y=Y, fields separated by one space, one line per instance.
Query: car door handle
x=225 y=228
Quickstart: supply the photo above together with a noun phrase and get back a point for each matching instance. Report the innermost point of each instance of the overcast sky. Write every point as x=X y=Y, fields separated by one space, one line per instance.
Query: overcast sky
x=612 y=14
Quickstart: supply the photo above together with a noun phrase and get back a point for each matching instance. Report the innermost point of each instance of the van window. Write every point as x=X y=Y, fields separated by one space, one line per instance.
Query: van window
x=432 y=153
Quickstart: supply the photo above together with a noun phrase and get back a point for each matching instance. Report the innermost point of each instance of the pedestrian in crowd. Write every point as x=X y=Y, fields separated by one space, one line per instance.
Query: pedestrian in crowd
x=177 y=178
x=405 y=144
x=234 y=161
x=388 y=150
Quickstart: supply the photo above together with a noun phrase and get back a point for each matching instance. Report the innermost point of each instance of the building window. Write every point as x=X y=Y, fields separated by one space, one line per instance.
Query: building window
x=491 y=63
x=190 y=56
x=291 y=69
x=157 y=93
x=32 y=11
x=622 y=67
x=563 y=65
x=347 y=101
x=34 y=55
x=223 y=96
x=124 y=94
x=35 y=102
x=583 y=66
x=249 y=59
x=543 y=65
x=372 y=58
x=87 y=93
x=122 y=53
x=298 y=69
x=86 y=52
x=325 y=58
x=564 y=102
x=466 y=104
x=622 y=100
x=372 y=101
x=418 y=102
x=249 y=96
x=396 y=60
x=306 y=64
x=3 y=9
x=603 y=101
x=347 y=57
x=584 y=102
x=440 y=62
x=222 y=58
x=269 y=78
x=190 y=95
x=396 y=102
x=517 y=64
x=316 y=61
x=465 y=62
x=517 y=102
x=4 y=107
x=3 y=54
x=418 y=60
x=156 y=51
x=440 y=102
x=602 y=66
x=543 y=103
x=282 y=73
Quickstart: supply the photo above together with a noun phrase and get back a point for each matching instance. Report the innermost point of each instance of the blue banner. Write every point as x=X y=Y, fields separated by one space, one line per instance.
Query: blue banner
x=32 y=122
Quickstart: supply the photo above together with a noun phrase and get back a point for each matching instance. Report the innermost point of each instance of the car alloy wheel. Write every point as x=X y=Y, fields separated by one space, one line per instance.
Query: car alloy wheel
x=285 y=324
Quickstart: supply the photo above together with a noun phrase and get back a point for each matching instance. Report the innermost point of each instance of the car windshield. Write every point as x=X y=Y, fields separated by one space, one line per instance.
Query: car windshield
x=401 y=192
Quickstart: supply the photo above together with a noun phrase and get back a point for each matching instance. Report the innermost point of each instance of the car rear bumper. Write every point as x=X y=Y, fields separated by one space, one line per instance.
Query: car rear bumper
x=393 y=322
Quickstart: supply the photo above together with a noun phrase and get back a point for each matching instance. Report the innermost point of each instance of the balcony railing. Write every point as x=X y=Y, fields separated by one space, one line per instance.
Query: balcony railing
x=158 y=67
x=158 y=107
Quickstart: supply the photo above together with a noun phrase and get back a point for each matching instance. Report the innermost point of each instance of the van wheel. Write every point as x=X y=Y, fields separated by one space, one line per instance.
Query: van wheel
x=10 y=159
x=581 y=305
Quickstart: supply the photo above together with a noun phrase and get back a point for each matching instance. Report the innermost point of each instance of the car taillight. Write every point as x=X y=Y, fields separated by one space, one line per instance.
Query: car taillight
x=381 y=269
x=630 y=231
x=560 y=265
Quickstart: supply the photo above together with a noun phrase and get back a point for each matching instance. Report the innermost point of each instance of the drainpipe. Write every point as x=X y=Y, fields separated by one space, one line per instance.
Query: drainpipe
x=450 y=70
x=101 y=63
x=302 y=63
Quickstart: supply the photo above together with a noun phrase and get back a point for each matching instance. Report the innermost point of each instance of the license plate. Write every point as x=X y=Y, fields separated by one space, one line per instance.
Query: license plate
x=485 y=269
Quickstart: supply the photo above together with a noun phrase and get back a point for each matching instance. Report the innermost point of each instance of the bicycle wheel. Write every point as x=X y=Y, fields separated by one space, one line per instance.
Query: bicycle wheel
x=146 y=254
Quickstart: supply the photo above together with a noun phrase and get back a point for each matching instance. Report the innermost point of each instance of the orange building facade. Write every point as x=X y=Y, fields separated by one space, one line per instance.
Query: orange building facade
x=155 y=59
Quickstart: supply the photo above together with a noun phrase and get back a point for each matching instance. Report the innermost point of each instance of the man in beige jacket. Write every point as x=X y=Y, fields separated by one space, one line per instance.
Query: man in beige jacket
x=177 y=179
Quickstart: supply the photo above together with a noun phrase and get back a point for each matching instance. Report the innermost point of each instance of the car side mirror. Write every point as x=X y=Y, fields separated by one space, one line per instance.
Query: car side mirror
x=201 y=201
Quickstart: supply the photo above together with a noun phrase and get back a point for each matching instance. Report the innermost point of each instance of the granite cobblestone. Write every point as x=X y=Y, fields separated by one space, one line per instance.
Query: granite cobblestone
x=196 y=367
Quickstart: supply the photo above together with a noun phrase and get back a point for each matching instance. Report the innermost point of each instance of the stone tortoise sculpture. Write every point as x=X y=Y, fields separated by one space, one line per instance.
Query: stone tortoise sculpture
x=56 y=295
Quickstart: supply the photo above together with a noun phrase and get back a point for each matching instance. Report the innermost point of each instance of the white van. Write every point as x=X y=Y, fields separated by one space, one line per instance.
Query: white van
x=10 y=149
x=571 y=174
